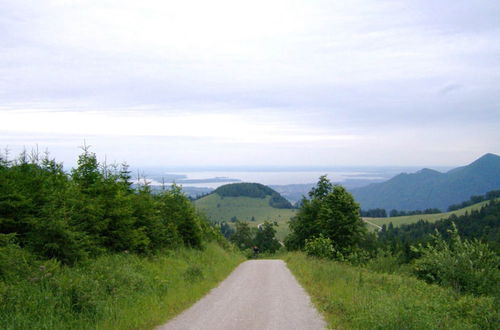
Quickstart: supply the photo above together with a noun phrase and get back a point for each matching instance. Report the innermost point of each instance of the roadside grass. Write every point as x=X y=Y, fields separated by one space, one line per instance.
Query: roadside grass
x=244 y=208
x=120 y=291
x=356 y=298
x=398 y=221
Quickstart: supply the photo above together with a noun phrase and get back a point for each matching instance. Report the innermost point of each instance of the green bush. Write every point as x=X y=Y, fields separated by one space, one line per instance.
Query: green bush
x=321 y=247
x=467 y=266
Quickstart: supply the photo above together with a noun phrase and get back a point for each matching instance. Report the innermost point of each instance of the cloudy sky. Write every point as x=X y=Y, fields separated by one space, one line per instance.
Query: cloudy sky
x=277 y=83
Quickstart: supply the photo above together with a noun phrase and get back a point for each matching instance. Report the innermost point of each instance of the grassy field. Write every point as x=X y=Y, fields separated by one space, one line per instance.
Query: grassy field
x=244 y=208
x=397 y=221
x=356 y=298
x=121 y=291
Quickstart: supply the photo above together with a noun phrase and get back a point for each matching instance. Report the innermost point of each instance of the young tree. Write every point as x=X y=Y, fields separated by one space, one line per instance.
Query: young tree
x=330 y=211
x=265 y=239
x=243 y=236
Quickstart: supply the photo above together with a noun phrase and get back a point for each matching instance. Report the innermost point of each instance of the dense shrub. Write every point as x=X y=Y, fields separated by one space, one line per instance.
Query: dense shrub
x=320 y=247
x=467 y=266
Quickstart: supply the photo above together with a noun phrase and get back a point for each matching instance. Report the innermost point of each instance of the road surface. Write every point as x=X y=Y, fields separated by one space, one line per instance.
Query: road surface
x=259 y=294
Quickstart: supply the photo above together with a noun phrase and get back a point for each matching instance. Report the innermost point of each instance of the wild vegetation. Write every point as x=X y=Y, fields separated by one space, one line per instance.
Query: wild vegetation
x=341 y=265
x=263 y=238
x=353 y=297
x=85 y=250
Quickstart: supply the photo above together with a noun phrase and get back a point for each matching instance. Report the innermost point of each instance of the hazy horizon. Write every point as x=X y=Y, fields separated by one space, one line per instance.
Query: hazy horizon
x=257 y=84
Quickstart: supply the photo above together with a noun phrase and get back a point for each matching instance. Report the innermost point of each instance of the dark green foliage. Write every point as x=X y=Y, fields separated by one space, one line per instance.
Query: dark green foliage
x=330 y=211
x=475 y=199
x=226 y=229
x=396 y=213
x=176 y=209
x=243 y=237
x=374 y=213
x=255 y=190
x=265 y=238
x=91 y=211
x=431 y=189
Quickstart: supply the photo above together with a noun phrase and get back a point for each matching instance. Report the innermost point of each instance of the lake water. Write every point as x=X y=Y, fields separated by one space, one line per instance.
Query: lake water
x=215 y=178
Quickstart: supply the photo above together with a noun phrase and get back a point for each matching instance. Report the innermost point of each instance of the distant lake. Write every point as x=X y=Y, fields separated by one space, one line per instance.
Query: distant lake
x=215 y=178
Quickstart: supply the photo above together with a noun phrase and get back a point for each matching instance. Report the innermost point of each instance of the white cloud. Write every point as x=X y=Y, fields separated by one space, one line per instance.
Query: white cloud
x=261 y=78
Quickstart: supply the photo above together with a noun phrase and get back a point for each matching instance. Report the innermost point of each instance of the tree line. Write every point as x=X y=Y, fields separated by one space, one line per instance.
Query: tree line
x=255 y=190
x=475 y=199
x=382 y=213
x=91 y=210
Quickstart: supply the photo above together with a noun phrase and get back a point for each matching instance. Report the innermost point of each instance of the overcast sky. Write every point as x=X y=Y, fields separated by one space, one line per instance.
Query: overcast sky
x=279 y=83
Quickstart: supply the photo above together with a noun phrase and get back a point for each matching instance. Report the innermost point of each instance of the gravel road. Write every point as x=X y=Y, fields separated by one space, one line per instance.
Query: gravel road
x=259 y=294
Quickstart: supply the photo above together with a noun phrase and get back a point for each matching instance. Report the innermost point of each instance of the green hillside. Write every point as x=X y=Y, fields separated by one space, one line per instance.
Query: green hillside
x=398 y=221
x=218 y=208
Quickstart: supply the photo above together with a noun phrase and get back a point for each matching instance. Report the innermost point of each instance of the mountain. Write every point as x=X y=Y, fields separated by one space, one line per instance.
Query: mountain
x=428 y=188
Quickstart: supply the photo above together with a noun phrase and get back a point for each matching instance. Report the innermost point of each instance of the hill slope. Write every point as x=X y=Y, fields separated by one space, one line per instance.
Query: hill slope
x=409 y=219
x=250 y=202
x=432 y=189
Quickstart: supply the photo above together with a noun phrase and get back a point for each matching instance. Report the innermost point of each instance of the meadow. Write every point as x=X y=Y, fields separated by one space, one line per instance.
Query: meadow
x=358 y=298
x=219 y=208
x=398 y=221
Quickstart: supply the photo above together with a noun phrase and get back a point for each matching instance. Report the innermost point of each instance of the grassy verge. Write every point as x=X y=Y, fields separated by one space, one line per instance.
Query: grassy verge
x=356 y=298
x=120 y=291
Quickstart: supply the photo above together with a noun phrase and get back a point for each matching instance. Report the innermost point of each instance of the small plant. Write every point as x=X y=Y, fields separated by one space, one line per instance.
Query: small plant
x=193 y=274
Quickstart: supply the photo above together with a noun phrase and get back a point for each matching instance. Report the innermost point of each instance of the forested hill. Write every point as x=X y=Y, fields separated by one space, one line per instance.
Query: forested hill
x=255 y=190
x=482 y=224
x=428 y=188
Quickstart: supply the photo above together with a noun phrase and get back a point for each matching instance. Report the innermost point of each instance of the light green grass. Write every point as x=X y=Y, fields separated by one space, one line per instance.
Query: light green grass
x=244 y=208
x=356 y=298
x=398 y=221
x=120 y=291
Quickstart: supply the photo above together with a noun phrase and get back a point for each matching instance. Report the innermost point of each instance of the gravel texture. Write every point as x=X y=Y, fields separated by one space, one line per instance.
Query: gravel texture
x=259 y=294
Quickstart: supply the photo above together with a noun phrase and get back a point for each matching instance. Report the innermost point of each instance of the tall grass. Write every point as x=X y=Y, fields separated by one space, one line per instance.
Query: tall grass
x=356 y=298
x=120 y=291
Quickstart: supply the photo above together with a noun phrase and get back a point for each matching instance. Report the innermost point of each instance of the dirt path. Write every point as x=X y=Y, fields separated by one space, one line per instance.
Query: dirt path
x=259 y=294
